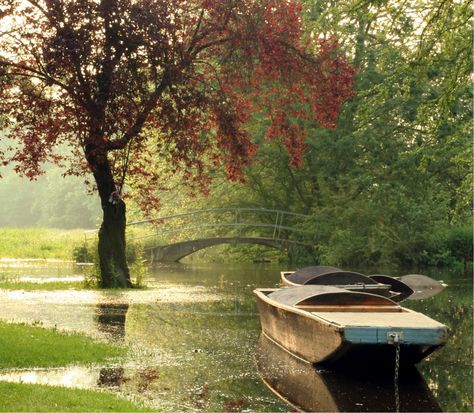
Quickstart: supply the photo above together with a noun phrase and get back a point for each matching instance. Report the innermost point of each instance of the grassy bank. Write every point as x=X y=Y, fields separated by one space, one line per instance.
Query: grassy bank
x=63 y=244
x=40 y=398
x=39 y=242
x=24 y=346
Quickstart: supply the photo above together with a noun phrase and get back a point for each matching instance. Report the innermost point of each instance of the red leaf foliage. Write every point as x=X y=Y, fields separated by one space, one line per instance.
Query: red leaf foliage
x=131 y=83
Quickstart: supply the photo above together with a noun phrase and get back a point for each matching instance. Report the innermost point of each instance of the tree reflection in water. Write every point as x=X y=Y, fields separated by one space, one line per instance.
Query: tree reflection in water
x=110 y=320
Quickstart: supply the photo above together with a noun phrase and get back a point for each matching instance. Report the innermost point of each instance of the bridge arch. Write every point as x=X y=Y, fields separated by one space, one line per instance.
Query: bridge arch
x=269 y=227
x=177 y=251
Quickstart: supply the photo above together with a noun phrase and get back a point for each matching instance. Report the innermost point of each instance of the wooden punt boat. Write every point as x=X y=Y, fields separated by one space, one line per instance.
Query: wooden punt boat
x=423 y=287
x=326 y=324
x=401 y=291
x=349 y=280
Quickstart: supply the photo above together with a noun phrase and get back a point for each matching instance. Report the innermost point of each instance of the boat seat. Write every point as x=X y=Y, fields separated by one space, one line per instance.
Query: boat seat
x=351 y=308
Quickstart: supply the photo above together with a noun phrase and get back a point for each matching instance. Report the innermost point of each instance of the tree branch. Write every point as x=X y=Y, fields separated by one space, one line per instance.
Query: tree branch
x=34 y=73
x=136 y=128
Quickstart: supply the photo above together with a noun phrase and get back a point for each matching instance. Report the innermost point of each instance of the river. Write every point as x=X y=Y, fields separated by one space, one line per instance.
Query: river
x=193 y=335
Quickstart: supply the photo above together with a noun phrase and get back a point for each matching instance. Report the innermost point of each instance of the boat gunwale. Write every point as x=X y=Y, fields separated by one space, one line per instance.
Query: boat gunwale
x=264 y=297
x=285 y=280
x=313 y=315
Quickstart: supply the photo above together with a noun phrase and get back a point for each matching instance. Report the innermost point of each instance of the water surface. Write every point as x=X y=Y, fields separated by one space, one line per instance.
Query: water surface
x=193 y=337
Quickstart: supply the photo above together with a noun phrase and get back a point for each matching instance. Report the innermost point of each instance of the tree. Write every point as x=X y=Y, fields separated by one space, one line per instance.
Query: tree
x=395 y=176
x=125 y=83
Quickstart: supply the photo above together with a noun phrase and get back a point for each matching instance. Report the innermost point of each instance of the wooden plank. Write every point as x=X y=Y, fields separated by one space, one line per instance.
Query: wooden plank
x=411 y=336
x=350 y=308
x=405 y=319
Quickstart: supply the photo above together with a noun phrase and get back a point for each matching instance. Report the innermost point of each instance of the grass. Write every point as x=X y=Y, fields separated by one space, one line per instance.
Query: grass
x=41 y=398
x=24 y=346
x=62 y=244
x=47 y=286
x=39 y=242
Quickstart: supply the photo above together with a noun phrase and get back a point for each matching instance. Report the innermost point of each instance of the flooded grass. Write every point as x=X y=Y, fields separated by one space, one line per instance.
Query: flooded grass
x=23 y=346
x=42 y=286
x=41 y=398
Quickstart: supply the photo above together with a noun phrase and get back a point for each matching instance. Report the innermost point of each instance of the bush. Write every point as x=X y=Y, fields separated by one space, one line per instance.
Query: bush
x=83 y=253
x=134 y=254
x=134 y=251
x=459 y=242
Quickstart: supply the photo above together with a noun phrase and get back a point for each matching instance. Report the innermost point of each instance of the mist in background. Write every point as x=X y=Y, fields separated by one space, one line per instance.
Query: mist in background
x=52 y=201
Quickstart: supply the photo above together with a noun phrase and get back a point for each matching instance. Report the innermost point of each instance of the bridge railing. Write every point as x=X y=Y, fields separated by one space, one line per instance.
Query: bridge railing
x=218 y=222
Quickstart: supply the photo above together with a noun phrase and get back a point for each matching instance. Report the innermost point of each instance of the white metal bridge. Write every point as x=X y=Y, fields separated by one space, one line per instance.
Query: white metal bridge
x=172 y=237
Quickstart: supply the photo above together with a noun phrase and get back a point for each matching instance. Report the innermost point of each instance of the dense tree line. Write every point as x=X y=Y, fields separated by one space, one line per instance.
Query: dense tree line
x=392 y=183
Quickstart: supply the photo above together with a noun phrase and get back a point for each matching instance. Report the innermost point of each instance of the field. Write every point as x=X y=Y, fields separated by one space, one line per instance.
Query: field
x=39 y=243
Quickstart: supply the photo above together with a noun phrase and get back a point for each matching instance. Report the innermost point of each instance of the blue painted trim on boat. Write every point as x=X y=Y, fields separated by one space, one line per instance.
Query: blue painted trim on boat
x=378 y=335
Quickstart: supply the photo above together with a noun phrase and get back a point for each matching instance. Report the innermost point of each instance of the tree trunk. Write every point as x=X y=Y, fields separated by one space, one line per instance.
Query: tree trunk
x=114 y=271
x=112 y=257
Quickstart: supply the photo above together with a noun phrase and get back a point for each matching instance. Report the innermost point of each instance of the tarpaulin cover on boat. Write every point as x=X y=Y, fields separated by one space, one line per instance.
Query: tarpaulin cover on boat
x=304 y=274
x=337 y=277
x=326 y=295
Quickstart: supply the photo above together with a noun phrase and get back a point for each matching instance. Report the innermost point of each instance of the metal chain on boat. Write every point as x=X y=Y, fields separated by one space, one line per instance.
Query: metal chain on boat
x=395 y=378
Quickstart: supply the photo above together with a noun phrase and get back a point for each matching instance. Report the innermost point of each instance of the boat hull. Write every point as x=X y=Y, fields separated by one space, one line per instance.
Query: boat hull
x=317 y=341
x=312 y=341
x=373 y=288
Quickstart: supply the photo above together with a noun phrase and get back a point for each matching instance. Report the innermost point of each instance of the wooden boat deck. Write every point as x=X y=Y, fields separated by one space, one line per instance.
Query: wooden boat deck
x=403 y=319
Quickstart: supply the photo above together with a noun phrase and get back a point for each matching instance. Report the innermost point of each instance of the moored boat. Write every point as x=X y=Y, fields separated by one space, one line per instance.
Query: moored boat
x=423 y=287
x=327 y=324
x=401 y=290
x=349 y=280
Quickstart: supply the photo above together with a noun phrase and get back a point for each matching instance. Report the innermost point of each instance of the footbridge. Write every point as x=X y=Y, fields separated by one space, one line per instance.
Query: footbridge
x=172 y=237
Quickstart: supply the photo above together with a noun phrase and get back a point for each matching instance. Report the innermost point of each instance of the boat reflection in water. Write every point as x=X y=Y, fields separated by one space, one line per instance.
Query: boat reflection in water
x=110 y=319
x=306 y=388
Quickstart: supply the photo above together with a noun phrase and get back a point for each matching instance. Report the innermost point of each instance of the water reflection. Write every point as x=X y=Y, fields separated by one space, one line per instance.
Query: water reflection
x=308 y=389
x=111 y=377
x=110 y=319
x=191 y=337
x=73 y=376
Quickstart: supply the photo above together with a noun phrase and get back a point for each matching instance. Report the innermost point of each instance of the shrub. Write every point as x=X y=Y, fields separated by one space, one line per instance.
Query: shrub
x=460 y=243
x=83 y=253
